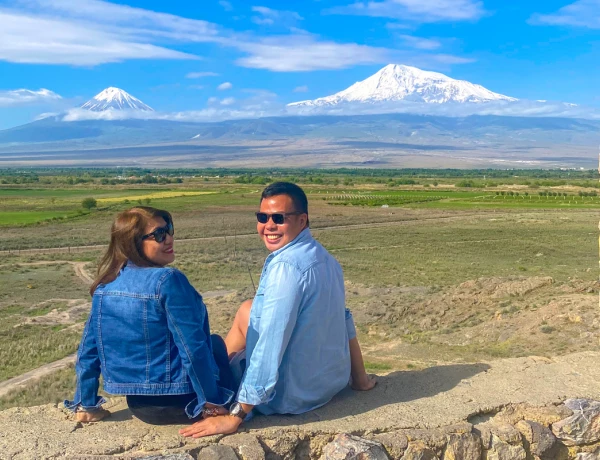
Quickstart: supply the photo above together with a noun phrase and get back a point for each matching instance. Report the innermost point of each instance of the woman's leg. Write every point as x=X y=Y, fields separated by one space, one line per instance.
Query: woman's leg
x=236 y=337
x=220 y=353
x=161 y=410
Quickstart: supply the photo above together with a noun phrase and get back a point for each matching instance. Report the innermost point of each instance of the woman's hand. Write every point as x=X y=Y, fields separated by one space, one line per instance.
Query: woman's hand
x=211 y=410
x=220 y=424
x=84 y=416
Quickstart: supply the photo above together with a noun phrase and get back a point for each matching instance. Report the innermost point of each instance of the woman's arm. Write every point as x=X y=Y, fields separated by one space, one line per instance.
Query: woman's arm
x=87 y=368
x=187 y=320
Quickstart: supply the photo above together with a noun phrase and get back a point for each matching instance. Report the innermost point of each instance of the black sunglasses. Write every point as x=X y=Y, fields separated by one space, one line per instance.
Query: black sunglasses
x=160 y=234
x=278 y=217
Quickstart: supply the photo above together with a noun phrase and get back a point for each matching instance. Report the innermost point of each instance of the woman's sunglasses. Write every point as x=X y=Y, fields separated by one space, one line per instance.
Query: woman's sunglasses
x=160 y=234
x=278 y=217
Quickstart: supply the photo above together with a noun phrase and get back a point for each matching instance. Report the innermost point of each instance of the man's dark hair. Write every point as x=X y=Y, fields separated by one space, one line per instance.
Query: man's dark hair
x=292 y=190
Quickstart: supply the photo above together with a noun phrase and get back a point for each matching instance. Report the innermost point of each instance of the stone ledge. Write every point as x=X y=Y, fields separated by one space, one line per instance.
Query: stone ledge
x=439 y=412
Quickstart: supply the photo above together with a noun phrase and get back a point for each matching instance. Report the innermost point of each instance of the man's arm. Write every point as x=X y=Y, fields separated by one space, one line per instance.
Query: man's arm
x=360 y=379
x=282 y=297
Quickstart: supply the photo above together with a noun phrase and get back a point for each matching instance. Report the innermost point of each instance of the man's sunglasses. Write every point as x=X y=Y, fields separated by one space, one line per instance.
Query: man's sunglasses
x=278 y=217
x=160 y=234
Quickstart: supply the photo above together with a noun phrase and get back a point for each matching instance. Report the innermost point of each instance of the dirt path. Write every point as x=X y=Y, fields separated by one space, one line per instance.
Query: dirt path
x=22 y=380
x=79 y=268
x=70 y=249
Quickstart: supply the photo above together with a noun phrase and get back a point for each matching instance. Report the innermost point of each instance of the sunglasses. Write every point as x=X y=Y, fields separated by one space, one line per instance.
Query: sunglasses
x=160 y=234
x=278 y=217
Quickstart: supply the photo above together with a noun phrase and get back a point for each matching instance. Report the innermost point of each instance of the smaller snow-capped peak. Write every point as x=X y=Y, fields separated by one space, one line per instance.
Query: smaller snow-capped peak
x=115 y=99
x=400 y=82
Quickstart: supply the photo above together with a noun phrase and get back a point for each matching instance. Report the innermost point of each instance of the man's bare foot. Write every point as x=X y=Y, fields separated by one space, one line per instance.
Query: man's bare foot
x=365 y=383
x=95 y=416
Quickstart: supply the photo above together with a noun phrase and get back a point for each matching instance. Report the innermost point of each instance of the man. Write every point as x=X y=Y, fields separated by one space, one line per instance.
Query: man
x=300 y=341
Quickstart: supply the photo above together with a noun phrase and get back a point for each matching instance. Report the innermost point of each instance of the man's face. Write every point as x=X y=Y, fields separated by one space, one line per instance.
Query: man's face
x=277 y=236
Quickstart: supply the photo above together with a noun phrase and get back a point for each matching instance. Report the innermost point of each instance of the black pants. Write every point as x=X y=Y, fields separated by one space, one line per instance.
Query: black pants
x=170 y=409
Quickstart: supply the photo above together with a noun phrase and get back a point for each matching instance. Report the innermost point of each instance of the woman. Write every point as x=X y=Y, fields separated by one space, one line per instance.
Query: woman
x=148 y=332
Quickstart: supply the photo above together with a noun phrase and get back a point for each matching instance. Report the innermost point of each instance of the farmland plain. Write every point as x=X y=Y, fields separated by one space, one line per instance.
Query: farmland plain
x=433 y=273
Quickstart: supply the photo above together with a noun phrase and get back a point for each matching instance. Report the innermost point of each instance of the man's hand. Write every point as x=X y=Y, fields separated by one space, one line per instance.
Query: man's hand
x=365 y=383
x=221 y=424
x=87 y=417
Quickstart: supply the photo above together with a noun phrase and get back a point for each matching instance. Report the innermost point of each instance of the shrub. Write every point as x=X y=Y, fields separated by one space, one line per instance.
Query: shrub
x=89 y=203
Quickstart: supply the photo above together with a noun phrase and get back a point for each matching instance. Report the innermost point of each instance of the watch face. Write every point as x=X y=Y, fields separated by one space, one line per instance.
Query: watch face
x=236 y=409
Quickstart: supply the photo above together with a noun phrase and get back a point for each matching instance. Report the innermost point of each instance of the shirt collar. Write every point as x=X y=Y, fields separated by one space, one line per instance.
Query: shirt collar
x=304 y=235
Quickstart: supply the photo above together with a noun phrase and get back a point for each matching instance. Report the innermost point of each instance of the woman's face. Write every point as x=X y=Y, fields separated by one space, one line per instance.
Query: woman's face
x=158 y=253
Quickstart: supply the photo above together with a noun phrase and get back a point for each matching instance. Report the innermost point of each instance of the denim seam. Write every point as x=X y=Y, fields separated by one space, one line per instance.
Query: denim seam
x=185 y=348
x=147 y=340
x=127 y=294
x=99 y=343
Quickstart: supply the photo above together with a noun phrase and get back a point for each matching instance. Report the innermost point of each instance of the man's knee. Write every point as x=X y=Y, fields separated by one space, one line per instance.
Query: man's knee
x=242 y=316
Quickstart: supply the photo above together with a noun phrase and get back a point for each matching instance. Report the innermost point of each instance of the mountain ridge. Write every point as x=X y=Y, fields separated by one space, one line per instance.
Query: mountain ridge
x=113 y=98
x=396 y=82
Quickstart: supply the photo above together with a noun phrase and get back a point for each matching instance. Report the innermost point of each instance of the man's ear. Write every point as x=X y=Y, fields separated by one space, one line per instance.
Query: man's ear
x=304 y=218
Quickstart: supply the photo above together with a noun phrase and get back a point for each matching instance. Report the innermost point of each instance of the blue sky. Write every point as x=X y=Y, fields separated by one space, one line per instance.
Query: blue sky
x=212 y=57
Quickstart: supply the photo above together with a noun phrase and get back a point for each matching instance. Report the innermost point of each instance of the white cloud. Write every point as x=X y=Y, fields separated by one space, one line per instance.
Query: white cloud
x=228 y=101
x=93 y=32
x=306 y=53
x=201 y=74
x=20 y=97
x=227 y=6
x=420 y=43
x=224 y=86
x=416 y=10
x=301 y=89
x=269 y=16
x=582 y=13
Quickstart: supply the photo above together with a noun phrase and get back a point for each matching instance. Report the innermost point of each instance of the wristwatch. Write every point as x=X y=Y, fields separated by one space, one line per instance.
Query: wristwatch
x=237 y=411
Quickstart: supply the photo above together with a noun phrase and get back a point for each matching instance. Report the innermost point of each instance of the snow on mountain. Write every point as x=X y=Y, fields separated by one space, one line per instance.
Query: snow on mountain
x=404 y=83
x=115 y=99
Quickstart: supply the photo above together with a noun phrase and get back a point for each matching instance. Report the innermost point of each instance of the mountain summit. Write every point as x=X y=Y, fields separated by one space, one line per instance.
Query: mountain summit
x=115 y=99
x=401 y=82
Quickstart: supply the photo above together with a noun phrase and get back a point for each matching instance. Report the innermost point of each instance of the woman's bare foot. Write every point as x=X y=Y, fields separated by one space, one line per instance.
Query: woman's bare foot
x=365 y=383
x=95 y=416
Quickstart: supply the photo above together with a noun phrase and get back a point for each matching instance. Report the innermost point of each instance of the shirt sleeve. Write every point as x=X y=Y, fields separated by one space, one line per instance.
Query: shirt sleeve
x=187 y=320
x=283 y=293
x=87 y=368
x=350 y=328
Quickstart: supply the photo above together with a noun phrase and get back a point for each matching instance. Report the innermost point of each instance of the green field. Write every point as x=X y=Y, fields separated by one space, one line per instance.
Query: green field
x=434 y=274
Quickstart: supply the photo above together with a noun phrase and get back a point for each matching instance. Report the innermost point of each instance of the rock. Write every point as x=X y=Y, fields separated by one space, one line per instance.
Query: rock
x=502 y=431
x=539 y=440
x=587 y=456
x=347 y=447
x=282 y=444
x=501 y=450
x=546 y=415
x=466 y=446
x=583 y=427
x=246 y=445
x=394 y=442
x=419 y=451
x=180 y=456
x=217 y=452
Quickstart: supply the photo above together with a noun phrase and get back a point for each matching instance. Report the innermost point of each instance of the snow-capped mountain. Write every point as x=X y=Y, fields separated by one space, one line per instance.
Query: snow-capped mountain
x=115 y=99
x=404 y=83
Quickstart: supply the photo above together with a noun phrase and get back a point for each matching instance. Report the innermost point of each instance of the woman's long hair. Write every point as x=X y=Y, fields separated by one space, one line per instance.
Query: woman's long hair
x=126 y=243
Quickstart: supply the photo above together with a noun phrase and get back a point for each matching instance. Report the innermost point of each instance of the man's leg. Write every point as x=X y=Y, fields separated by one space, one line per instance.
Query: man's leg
x=236 y=337
x=360 y=379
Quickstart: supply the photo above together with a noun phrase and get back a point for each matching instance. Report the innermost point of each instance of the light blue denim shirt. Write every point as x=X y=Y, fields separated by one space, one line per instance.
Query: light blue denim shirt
x=297 y=343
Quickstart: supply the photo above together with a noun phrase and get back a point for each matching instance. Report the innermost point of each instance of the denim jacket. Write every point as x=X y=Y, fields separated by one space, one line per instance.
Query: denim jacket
x=147 y=334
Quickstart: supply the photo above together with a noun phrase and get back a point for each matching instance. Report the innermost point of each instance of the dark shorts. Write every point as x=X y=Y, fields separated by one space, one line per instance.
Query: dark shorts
x=170 y=409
